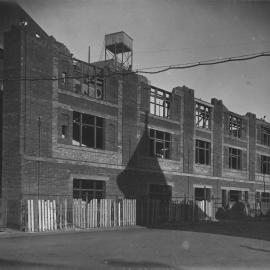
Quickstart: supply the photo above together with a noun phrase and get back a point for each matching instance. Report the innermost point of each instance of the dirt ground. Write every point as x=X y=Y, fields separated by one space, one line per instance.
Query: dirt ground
x=227 y=245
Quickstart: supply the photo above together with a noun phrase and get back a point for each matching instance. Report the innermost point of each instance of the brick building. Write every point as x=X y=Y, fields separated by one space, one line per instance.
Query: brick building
x=82 y=130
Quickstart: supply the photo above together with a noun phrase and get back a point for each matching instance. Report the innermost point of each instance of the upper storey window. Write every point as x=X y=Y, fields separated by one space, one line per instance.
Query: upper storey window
x=265 y=165
x=160 y=101
x=88 y=80
x=88 y=130
x=160 y=144
x=265 y=136
x=202 y=116
x=235 y=126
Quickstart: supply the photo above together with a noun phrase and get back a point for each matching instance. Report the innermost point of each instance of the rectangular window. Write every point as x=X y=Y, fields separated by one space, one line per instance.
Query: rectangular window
x=88 y=79
x=202 y=116
x=160 y=101
x=235 y=126
x=235 y=158
x=265 y=164
x=88 y=189
x=160 y=144
x=160 y=192
x=265 y=197
x=87 y=130
x=265 y=136
x=203 y=152
x=64 y=131
x=235 y=195
x=202 y=194
x=64 y=79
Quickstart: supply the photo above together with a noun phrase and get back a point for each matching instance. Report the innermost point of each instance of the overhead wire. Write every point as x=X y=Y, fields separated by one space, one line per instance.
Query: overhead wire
x=215 y=61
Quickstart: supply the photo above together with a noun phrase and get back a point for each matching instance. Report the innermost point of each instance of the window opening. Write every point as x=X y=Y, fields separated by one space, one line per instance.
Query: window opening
x=202 y=194
x=160 y=143
x=265 y=164
x=160 y=102
x=202 y=152
x=235 y=124
x=265 y=136
x=160 y=192
x=88 y=189
x=64 y=131
x=87 y=130
x=202 y=116
x=234 y=158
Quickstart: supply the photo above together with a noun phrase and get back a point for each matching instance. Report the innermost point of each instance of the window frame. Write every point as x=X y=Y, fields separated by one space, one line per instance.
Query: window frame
x=202 y=113
x=235 y=157
x=265 y=165
x=235 y=126
x=153 y=138
x=94 y=189
x=83 y=125
x=160 y=102
x=206 y=148
x=265 y=135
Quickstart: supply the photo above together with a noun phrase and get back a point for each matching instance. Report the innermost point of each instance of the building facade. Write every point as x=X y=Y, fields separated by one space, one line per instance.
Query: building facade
x=80 y=130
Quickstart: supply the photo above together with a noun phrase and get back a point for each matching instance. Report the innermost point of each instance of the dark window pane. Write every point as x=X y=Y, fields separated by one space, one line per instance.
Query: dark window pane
x=76 y=117
x=99 y=138
x=152 y=133
x=167 y=136
x=76 y=183
x=201 y=156
x=159 y=135
x=159 y=149
x=76 y=134
x=64 y=131
x=86 y=184
x=88 y=119
x=88 y=136
x=99 y=185
x=99 y=122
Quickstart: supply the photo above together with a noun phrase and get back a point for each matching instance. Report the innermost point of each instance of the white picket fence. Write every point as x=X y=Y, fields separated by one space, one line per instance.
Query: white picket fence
x=50 y=215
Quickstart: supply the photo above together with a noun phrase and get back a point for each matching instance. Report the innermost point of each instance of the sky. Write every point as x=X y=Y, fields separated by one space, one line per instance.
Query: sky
x=168 y=32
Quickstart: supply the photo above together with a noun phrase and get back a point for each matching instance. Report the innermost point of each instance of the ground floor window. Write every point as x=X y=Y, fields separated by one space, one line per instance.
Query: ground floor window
x=231 y=196
x=160 y=192
x=262 y=196
x=202 y=194
x=88 y=189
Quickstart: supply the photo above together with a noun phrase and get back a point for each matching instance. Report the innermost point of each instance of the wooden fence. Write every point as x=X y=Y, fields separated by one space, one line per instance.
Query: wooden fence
x=50 y=215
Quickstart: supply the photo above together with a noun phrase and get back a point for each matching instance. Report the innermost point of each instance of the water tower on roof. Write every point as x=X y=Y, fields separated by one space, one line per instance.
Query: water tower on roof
x=118 y=47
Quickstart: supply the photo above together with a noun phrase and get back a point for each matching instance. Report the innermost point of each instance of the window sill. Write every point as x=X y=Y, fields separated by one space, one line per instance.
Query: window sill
x=202 y=165
x=85 y=149
x=167 y=119
x=263 y=145
x=77 y=95
x=236 y=138
x=204 y=129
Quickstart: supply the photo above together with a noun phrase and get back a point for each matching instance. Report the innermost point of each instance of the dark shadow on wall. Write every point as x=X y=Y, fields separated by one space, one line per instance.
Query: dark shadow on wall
x=143 y=177
x=143 y=180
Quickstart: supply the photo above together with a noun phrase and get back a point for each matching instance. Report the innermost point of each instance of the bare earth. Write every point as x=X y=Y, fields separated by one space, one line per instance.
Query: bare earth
x=231 y=245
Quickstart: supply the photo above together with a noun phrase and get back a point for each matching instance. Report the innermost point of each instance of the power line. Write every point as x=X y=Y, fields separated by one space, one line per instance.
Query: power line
x=209 y=62
x=215 y=61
